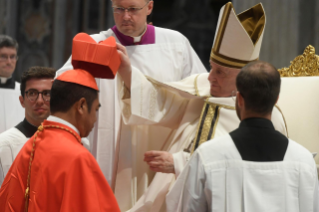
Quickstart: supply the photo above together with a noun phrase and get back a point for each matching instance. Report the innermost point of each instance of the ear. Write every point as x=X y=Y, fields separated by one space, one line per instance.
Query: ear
x=81 y=106
x=21 y=99
x=150 y=7
x=240 y=99
x=277 y=99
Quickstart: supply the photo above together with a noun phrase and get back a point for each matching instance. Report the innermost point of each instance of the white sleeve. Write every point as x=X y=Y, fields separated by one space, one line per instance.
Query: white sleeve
x=1 y=173
x=316 y=194
x=147 y=103
x=187 y=194
x=191 y=64
x=6 y=158
x=180 y=160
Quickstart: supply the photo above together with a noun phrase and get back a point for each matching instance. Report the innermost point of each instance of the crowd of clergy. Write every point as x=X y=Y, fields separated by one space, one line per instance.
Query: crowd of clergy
x=134 y=122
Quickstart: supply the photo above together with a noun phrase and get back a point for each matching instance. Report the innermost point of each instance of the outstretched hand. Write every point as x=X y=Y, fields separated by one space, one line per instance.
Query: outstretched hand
x=160 y=161
x=125 y=69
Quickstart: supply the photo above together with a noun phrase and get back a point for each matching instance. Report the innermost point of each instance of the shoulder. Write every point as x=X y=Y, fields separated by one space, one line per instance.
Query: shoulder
x=297 y=153
x=170 y=32
x=217 y=148
x=83 y=158
x=10 y=136
x=103 y=35
x=168 y=35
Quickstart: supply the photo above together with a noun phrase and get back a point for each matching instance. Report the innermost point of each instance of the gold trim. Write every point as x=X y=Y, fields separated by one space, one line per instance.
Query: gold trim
x=217 y=119
x=207 y=122
x=227 y=61
x=196 y=86
x=223 y=24
x=306 y=64
x=283 y=118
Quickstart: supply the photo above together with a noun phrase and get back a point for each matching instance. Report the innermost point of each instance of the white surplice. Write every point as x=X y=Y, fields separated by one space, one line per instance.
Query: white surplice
x=217 y=179
x=171 y=58
x=11 y=141
x=11 y=111
x=172 y=112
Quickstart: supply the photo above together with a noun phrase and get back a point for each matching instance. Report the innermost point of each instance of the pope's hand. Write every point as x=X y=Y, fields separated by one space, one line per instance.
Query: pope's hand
x=125 y=69
x=160 y=161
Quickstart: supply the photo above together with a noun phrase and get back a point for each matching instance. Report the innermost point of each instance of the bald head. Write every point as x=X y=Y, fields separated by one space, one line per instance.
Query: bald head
x=259 y=84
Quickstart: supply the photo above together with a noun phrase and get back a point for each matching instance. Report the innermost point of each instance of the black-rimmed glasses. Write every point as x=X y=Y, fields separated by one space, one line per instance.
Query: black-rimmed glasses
x=33 y=95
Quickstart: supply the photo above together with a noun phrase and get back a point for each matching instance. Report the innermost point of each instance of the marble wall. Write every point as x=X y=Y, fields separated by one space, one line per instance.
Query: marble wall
x=45 y=28
x=2 y=16
x=291 y=26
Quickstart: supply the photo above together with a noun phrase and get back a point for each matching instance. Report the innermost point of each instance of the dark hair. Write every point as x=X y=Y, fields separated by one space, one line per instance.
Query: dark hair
x=7 y=41
x=65 y=94
x=35 y=72
x=259 y=84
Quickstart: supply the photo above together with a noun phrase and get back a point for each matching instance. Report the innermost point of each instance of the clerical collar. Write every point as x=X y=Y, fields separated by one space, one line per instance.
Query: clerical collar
x=7 y=82
x=257 y=123
x=148 y=37
x=62 y=121
x=26 y=128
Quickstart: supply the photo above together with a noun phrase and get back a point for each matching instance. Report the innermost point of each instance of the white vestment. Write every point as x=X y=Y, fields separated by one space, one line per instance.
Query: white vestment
x=11 y=141
x=11 y=111
x=217 y=179
x=171 y=58
x=172 y=112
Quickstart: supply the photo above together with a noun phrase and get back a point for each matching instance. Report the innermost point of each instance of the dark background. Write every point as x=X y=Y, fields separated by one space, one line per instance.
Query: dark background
x=44 y=28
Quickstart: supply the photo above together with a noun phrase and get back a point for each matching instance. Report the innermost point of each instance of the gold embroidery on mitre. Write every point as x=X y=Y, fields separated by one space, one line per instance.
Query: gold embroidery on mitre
x=252 y=20
x=306 y=64
x=207 y=124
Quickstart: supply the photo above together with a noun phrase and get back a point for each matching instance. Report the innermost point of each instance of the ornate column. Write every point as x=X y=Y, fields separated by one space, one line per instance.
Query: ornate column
x=59 y=28
x=2 y=16
x=11 y=18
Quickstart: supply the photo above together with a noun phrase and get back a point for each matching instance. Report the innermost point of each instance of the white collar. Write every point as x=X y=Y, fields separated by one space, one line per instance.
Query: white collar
x=3 y=80
x=62 y=121
x=139 y=38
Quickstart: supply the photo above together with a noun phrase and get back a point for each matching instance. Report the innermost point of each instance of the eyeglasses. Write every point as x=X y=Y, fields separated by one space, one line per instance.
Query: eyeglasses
x=234 y=95
x=5 y=57
x=130 y=10
x=33 y=95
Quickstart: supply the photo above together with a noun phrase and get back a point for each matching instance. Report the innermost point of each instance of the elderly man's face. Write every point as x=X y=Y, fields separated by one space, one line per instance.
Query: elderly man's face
x=222 y=80
x=132 y=23
x=8 y=60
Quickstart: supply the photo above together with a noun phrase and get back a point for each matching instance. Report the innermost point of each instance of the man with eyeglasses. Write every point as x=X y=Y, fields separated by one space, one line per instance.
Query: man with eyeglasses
x=162 y=54
x=11 y=112
x=196 y=109
x=35 y=89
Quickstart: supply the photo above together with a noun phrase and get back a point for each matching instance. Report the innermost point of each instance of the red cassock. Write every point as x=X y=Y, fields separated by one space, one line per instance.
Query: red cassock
x=64 y=176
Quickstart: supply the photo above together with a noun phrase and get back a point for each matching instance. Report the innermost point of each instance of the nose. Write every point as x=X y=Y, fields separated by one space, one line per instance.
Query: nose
x=210 y=76
x=40 y=99
x=126 y=15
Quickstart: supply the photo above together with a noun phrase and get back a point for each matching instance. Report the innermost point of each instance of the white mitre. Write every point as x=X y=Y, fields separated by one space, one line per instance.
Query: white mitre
x=238 y=38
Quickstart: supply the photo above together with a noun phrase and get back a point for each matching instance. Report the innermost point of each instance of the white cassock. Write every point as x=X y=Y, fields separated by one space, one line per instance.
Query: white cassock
x=11 y=141
x=217 y=179
x=11 y=111
x=172 y=114
x=171 y=58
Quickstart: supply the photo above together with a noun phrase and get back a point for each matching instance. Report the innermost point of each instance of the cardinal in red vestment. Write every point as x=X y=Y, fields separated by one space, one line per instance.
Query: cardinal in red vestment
x=53 y=171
